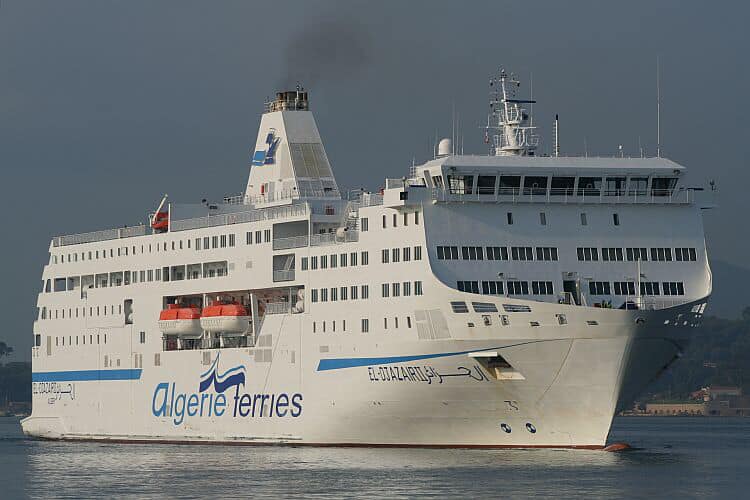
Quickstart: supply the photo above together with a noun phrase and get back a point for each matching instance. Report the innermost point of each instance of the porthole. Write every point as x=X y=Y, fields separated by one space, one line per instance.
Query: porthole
x=505 y=427
x=530 y=427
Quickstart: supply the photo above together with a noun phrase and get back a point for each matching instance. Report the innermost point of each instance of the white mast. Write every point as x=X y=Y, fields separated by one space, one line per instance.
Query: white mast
x=514 y=129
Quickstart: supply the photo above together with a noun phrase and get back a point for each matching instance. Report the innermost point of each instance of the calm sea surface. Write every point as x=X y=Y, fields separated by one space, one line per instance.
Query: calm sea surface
x=677 y=457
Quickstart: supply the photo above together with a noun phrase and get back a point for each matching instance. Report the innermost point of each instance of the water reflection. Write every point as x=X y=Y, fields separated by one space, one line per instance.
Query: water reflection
x=670 y=460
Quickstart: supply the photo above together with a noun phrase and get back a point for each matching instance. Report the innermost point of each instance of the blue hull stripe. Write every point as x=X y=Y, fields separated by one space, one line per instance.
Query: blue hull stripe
x=86 y=375
x=336 y=364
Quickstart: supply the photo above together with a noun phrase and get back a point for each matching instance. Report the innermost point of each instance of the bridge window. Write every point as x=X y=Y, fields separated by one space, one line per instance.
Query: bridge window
x=461 y=184
x=615 y=186
x=486 y=184
x=638 y=186
x=535 y=185
x=562 y=186
x=589 y=186
x=510 y=184
x=663 y=186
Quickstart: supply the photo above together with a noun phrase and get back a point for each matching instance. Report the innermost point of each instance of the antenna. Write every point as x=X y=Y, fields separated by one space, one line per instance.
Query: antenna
x=453 y=134
x=640 y=147
x=557 y=136
x=585 y=148
x=658 y=111
x=531 y=98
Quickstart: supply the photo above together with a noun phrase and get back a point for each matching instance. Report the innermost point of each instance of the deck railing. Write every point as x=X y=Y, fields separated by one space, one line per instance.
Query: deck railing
x=567 y=195
x=259 y=214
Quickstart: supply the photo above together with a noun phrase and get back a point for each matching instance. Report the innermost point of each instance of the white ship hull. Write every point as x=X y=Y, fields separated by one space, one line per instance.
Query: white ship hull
x=403 y=395
x=465 y=306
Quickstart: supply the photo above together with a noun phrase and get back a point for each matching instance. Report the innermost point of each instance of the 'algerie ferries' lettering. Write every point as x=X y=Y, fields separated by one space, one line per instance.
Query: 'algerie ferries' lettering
x=168 y=402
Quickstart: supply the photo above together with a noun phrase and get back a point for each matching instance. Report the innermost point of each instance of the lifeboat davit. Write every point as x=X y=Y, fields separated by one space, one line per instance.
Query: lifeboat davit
x=160 y=221
x=182 y=321
x=225 y=319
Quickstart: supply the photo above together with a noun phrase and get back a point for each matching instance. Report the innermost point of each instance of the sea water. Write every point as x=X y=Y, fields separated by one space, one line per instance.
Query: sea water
x=673 y=457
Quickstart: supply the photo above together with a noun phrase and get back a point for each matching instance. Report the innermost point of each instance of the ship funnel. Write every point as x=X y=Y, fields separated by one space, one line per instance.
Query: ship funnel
x=291 y=100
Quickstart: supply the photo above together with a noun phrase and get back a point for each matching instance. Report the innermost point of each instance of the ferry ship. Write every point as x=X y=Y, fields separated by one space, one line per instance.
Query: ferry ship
x=508 y=299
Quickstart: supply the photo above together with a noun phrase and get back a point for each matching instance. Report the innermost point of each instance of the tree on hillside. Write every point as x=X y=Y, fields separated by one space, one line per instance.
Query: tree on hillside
x=5 y=350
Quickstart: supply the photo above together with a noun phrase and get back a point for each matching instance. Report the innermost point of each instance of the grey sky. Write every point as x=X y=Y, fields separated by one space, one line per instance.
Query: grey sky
x=104 y=106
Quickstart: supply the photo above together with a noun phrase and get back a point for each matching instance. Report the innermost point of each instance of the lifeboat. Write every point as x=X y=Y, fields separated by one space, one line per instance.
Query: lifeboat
x=160 y=221
x=182 y=321
x=226 y=319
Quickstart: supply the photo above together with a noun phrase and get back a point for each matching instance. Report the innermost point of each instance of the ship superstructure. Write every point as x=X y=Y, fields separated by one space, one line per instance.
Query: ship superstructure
x=508 y=299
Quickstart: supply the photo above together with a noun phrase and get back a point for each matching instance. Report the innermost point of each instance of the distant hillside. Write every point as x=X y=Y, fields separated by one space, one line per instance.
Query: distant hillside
x=730 y=294
x=718 y=355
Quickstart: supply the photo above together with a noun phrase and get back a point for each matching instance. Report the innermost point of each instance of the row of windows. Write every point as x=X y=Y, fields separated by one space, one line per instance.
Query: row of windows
x=398 y=289
x=557 y=186
x=120 y=278
x=399 y=254
x=514 y=287
x=79 y=312
x=204 y=243
x=394 y=220
x=543 y=219
x=220 y=241
x=353 y=292
x=634 y=254
x=266 y=237
x=497 y=253
x=74 y=340
x=321 y=327
x=628 y=288
x=335 y=260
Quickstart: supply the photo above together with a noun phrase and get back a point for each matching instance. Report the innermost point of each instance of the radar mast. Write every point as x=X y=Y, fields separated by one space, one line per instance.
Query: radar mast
x=509 y=131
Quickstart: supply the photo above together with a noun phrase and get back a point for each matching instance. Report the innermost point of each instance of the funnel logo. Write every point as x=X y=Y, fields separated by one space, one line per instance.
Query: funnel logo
x=216 y=399
x=266 y=157
x=221 y=382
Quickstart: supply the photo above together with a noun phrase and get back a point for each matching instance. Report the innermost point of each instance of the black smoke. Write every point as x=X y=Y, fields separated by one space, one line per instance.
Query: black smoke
x=327 y=51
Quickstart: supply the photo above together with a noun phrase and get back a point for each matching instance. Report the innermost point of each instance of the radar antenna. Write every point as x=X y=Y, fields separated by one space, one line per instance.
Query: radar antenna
x=509 y=131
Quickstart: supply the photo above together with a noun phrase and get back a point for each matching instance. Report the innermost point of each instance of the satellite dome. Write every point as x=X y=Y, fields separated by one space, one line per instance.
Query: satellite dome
x=445 y=147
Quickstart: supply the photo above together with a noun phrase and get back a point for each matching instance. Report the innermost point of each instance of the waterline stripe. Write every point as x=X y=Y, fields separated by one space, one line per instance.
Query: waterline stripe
x=336 y=364
x=86 y=375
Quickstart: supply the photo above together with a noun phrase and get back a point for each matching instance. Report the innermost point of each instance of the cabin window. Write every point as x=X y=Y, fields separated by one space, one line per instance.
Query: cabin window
x=384 y=222
x=542 y=218
x=492 y=288
x=395 y=219
x=365 y=325
x=509 y=217
x=541 y=287
x=616 y=219
x=599 y=288
x=365 y=291
x=535 y=185
x=365 y=224
x=584 y=219
x=365 y=258
x=486 y=184
x=418 y=253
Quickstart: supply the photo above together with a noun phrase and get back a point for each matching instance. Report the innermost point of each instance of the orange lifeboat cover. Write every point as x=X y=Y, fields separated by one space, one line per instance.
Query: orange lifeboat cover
x=174 y=311
x=224 y=310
